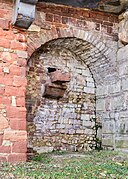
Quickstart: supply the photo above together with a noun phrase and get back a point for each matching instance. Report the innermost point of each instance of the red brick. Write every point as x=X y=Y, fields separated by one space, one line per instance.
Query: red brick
x=4 y=24
x=21 y=38
x=18 y=46
x=4 y=43
x=15 y=135
x=3 y=159
x=57 y=19
x=65 y=20
x=19 y=147
x=18 y=124
x=59 y=76
x=17 y=158
x=16 y=112
x=20 y=101
x=15 y=70
x=49 y=17
x=23 y=72
x=2 y=90
x=3 y=12
x=85 y=13
x=19 y=81
x=6 y=100
x=6 y=57
x=5 y=149
x=22 y=62
x=14 y=91
x=6 y=80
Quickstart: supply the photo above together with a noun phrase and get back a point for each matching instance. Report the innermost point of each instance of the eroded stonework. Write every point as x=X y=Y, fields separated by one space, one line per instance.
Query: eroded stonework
x=67 y=123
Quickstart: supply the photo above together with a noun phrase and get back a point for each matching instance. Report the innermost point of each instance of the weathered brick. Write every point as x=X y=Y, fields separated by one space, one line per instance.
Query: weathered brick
x=19 y=146
x=19 y=81
x=18 y=46
x=3 y=158
x=17 y=124
x=15 y=135
x=4 y=43
x=14 y=91
x=16 y=112
x=13 y=158
x=5 y=149
x=20 y=101
x=4 y=24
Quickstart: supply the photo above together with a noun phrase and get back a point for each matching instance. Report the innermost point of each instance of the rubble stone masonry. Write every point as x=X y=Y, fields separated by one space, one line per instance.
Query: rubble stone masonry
x=79 y=42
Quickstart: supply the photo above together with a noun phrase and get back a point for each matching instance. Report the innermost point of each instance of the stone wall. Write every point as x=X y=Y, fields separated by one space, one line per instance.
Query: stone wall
x=92 y=37
x=100 y=54
x=67 y=122
x=13 y=82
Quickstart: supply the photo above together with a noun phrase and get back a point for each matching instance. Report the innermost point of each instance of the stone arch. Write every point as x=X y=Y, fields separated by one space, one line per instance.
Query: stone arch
x=45 y=36
x=91 y=49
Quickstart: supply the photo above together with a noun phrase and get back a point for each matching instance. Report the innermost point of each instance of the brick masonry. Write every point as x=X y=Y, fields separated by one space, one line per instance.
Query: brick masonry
x=90 y=38
x=13 y=82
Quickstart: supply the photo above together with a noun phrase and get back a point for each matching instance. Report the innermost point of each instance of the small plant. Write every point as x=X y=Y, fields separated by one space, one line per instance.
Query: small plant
x=44 y=158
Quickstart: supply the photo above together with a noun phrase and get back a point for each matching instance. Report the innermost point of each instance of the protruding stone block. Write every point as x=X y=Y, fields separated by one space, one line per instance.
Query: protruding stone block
x=54 y=91
x=58 y=76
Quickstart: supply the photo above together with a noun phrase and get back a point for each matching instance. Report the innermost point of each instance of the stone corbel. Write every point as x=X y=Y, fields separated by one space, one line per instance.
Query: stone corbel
x=123 y=28
x=24 y=13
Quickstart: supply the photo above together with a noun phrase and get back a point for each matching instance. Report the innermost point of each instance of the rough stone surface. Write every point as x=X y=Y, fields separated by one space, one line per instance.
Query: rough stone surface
x=123 y=28
x=88 y=40
x=60 y=124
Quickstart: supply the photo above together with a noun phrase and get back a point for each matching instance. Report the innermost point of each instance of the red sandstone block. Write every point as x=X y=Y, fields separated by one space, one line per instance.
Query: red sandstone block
x=18 y=45
x=58 y=76
x=20 y=101
x=65 y=20
x=22 y=62
x=49 y=17
x=2 y=90
x=21 y=38
x=14 y=158
x=16 y=112
x=14 y=91
x=15 y=70
x=15 y=135
x=85 y=13
x=23 y=72
x=19 y=81
x=3 y=158
x=5 y=80
x=57 y=19
x=19 y=147
x=2 y=32
x=18 y=124
x=4 y=24
x=3 y=12
x=5 y=149
x=6 y=100
x=4 y=43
